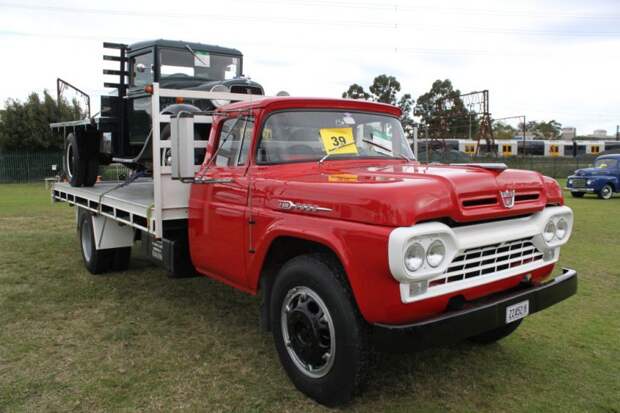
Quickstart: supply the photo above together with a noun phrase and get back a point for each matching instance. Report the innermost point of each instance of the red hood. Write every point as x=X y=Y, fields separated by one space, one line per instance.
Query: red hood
x=401 y=194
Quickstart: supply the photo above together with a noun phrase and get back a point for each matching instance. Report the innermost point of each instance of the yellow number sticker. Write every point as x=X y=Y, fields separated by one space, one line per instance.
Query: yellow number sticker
x=338 y=141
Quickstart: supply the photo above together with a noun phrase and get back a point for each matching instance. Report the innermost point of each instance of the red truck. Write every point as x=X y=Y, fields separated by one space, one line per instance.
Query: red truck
x=319 y=207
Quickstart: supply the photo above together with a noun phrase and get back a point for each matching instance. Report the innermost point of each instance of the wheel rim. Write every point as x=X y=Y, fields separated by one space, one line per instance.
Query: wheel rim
x=606 y=191
x=69 y=157
x=87 y=241
x=308 y=332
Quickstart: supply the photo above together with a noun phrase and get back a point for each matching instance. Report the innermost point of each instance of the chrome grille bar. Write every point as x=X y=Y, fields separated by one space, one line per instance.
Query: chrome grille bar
x=488 y=259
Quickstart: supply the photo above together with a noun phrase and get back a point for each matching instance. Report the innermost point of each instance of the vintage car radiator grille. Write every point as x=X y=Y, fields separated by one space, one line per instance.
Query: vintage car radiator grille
x=489 y=259
x=579 y=183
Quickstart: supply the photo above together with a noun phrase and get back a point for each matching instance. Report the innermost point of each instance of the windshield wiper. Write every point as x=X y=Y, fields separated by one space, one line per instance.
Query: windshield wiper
x=329 y=152
x=385 y=148
x=196 y=55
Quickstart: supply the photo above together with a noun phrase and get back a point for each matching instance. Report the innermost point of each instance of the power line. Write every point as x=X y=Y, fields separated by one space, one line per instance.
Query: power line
x=297 y=46
x=311 y=21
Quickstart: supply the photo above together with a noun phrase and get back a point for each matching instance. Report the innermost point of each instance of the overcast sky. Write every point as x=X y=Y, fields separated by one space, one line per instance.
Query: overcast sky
x=543 y=59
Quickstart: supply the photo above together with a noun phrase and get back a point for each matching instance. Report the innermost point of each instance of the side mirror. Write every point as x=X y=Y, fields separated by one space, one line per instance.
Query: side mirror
x=182 y=146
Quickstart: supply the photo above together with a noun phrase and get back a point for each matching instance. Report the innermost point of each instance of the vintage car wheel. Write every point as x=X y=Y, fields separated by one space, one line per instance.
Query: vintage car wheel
x=606 y=192
x=577 y=194
x=320 y=337
x=80 y=165
x=73 y=167
x=497 y=334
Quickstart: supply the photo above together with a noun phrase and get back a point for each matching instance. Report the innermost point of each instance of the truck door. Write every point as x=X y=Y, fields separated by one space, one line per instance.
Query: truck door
x=219 y=211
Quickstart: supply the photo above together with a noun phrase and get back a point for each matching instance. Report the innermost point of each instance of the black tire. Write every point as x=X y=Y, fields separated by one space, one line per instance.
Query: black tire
x=606 y=192
x=81 y=159
x=338 y=371
x=74 y=166
x=497 y=334
x=96 y=261
x=577 y=194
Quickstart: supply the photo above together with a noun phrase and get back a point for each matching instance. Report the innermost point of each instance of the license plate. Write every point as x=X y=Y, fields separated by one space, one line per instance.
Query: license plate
x=517 y=311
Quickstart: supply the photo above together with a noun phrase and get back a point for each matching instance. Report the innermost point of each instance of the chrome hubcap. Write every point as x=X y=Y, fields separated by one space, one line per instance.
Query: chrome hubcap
x=606 y=192
x=308 y=332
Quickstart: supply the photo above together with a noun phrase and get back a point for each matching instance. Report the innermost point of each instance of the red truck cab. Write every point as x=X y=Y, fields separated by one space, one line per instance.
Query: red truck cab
x=320 y=206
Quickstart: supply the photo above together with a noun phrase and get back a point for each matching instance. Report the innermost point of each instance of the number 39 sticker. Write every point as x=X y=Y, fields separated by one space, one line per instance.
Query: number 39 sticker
x=338 y=141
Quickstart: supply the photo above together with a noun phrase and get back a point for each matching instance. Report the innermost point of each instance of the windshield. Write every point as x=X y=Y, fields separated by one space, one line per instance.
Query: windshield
x=606 y=163
x=314 y=135
x=203 y=65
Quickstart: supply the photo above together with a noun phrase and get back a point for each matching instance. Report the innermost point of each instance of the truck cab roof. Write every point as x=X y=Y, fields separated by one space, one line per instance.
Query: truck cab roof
x=180 y=44
x=289 y=102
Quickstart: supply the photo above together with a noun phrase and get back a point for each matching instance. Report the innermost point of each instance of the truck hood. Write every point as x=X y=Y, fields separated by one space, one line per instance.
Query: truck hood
x=401 y=194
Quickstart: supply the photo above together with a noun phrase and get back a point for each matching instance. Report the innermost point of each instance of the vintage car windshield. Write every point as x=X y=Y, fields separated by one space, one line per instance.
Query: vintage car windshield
x=179 y=63
x=296 y=136
x=606 y=163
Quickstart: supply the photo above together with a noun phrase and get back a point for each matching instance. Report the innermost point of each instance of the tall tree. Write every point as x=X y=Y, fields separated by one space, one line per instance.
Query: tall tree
x=502 y=130
x=24 y=126
x=543 y=130
x=443 y=111
x=386 y=89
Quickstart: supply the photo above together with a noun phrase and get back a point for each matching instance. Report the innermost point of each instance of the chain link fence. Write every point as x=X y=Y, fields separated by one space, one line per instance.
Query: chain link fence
x=555 y=167
x=36 y=166
x=28 y=167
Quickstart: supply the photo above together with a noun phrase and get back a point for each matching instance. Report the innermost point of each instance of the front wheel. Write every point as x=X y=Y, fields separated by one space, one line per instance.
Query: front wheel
x=320 y=337
x=606 y=192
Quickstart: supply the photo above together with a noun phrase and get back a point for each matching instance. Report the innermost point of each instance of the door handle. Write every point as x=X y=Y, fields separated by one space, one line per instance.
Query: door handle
x=199 y=180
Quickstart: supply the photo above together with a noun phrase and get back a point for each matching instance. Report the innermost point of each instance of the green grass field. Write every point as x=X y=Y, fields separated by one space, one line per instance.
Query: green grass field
x=70 y=341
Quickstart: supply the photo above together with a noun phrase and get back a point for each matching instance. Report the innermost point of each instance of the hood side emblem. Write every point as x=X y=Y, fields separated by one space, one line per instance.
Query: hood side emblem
x=292 y=206
x=508 y=198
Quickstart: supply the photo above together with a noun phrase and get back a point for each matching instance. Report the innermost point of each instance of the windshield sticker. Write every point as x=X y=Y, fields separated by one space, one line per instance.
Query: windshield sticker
x=202 y=59
x=338 y=141
x=266 y=133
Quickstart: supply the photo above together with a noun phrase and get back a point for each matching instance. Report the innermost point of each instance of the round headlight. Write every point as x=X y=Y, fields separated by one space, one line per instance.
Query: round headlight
x=549 y=231
x=414 y=257
x=561 y=228
x=589 y=182
x=220 y=102
x=436 y=253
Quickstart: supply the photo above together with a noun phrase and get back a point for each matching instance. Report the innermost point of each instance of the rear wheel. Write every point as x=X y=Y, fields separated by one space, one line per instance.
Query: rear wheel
x=497 y=334
x=606 y=192
x=96 y=261
x=321 y=338
x=577 y=194
x=103 y=260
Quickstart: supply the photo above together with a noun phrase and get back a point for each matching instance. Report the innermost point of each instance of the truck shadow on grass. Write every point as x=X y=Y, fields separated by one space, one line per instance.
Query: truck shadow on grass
x=225 y=319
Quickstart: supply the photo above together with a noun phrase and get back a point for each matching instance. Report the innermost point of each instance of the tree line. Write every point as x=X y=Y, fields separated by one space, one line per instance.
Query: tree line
x=455 y=118
x=24 y=126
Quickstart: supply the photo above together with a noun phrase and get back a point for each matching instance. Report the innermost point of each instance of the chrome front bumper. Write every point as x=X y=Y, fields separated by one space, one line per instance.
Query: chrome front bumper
x=459 y=241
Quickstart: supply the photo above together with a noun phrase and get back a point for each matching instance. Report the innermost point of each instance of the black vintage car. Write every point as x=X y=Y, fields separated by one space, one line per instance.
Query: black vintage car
x=122 y=131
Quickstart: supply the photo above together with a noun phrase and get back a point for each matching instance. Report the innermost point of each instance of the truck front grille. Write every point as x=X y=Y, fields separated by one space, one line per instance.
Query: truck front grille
x=489 y=259
x=579 y=183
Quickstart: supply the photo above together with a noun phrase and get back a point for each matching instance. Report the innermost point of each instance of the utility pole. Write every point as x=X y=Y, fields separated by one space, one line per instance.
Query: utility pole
x=618 y=132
